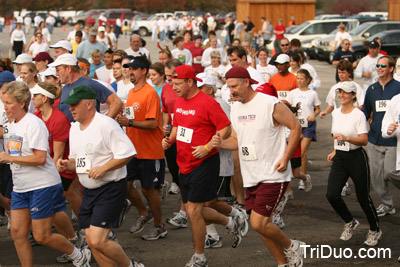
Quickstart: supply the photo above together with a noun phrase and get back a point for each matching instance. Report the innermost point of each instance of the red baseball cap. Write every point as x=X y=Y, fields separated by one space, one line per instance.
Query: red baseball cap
x=185 y=72
x=43 y=56
x=241 y=73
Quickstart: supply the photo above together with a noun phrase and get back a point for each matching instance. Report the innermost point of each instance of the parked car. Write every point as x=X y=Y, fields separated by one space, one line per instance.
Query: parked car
x=146 y=25
x=323 y=48
x=44 y=15
x=390 y=44
x=81 y=17
x=92 y=18
x=112 y=16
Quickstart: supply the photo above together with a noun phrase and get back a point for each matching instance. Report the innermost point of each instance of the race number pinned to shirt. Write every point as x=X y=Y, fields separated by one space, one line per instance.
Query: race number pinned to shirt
x=83 y=165
x=14 y=148
x=282 y=95
x=129 y=113
x=184 y=134
x=341 y=145
x=248 y=152
x=303 y=122
x=381 y=105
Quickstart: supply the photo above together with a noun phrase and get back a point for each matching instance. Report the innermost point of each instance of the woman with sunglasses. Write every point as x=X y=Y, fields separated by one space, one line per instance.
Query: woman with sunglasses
x=349 y=159
x=38 y=46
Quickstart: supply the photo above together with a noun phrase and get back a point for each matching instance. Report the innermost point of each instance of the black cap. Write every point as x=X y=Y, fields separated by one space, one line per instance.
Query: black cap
x=138 y=62
x=373 y=44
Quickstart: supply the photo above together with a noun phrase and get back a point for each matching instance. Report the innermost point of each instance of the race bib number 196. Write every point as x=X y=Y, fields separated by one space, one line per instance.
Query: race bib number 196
x=381 y=105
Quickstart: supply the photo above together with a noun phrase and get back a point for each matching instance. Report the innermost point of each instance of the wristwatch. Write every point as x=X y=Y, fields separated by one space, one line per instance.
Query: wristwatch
x=130 y=123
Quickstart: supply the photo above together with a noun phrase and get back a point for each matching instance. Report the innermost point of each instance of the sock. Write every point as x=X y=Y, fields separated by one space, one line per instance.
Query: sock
x=211 y=231
x=230 y=224
x=183 y=213
x=131 y=264
x=73 y=239
x=294 y=245
x=234 y=211
x=200 y=256
x=76 y=254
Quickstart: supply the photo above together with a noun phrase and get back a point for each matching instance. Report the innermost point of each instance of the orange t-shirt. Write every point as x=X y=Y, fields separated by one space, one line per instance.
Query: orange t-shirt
x=146 y=105
x=283 y=84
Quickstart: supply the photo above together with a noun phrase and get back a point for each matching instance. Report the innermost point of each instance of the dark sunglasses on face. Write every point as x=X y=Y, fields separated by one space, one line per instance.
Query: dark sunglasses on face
x=381 y=65
x=284 y=44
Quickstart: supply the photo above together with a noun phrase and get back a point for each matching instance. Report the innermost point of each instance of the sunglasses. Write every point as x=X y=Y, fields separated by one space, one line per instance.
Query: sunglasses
x=284 y=44
x=381 y=65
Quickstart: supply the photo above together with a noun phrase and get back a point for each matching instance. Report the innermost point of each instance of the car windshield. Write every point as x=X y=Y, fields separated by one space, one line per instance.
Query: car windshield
x=359 y=29
x=300 y=27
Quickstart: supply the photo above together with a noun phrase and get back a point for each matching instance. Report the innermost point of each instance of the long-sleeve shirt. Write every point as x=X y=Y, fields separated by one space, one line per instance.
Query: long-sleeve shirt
x=17 y=35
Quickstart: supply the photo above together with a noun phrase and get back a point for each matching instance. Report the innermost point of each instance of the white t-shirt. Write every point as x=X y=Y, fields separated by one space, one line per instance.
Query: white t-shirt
x=316 y=82
x=185 y=56
x=392 y=115
x=123 y=89
x=36 y=48
x=221 y=69
x=261 y=144
x=308 y=99
x=206 y=57
x=142 y=51
x=367 y=64
x=102 y=141
x=104 y=74
x=340 y=36
x=333 y=100
x=71 y=36
x=5 y=124
x=23 y=137
x=351 y=124
x=267 y=71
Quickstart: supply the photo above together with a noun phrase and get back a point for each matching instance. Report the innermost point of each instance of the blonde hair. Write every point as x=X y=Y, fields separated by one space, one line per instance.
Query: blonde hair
x=19 y=91
x=51 y=88
x=32 y=69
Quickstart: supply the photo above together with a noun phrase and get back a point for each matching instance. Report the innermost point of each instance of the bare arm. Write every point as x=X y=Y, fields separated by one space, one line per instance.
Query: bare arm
x=115 y=105
x=149 y=124
x=37 y=159
x=58 y=150
x=99 y=171
x=360 y=140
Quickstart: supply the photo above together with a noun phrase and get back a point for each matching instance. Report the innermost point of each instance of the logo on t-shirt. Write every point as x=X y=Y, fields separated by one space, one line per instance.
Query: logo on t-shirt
x=247 y=118
x=186 y=112
x=89 y=149
x=136 y=106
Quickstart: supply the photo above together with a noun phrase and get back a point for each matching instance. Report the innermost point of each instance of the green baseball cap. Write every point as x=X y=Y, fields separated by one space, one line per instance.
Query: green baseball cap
x=78 y=93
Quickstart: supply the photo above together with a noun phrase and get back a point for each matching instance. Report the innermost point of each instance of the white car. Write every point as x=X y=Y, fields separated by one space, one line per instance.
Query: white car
x=146 y=26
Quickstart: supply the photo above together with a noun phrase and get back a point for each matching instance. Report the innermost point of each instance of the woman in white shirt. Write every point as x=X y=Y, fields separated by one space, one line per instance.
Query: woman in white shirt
x=309 y=109
x=349 y=159
x=340 y=36
x=38 y=46
x=264 y=68
x=216 y=69
x=18 y=40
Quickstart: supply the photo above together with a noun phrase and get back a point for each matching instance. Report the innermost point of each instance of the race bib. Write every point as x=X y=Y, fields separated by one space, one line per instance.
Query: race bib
x=303 y=122
x=184 y=134
x=129 y=113
x=282 y=95
x=6 y=134
x=381 y=105
x=196 y=61
x=15 y=167
x=341 y=145
x=83 y=165
x=248 y=152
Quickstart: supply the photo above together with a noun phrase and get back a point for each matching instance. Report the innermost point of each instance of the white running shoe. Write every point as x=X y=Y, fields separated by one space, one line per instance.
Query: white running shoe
x=308 y=184
x=346 y=190
x=348 y=230
x=212 y=242
x=295 y=254
x=174 y=189
x=84 y=260
x=301 y=185
x=162 y=192
x=373 y=238
x=278 y=221
x=383 y=210
x=178 y=220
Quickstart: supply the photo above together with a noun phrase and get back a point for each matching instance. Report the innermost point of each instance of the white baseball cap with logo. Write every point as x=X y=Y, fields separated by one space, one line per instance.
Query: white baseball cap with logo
x=64 y=59
x=22 y=59
x=62 y=44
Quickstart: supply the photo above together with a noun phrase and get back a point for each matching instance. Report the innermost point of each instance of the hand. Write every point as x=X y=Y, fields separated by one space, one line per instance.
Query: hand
x=198 y=58
x=322 y=114
x=340 y=137
x=166 y=143
x=216 y=140
x=331 y=156
x=96 y=172
x=367 y=74
x=122 y=120
x=311 y=117
x=166 y=130
x=62 y=165
x=281 y=166
x=392 y=128
x=199 y=152
x=4 y=157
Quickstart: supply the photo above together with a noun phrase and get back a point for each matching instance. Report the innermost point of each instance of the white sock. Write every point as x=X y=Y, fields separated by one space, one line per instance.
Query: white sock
x=73 y=239
x=183 y=213
x=200 y=256
x=234 y=211
x=211 y=231
x=294 y=245
x=131 y=264
x=230 y=224
x=76 y=254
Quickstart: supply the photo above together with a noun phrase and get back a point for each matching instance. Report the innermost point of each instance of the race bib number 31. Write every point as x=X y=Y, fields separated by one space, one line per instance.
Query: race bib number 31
x=184 y=134
x=381 y=105
x=341 y=145
x=83 y=165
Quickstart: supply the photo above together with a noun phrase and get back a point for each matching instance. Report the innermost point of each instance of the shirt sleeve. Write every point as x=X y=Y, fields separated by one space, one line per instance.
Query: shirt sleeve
x=102 y=92
x=38 y=136
x=388 y=119
x=61 y=129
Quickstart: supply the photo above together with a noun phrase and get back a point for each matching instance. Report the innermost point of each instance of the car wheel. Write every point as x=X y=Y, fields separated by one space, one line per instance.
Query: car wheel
x=359 y=55
x=143 y=31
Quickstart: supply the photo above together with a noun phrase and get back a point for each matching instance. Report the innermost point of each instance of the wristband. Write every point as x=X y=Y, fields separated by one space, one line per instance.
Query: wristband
x=207 y=148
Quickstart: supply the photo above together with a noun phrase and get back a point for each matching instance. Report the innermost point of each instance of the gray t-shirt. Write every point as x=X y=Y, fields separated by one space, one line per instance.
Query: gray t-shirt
x=269 y=28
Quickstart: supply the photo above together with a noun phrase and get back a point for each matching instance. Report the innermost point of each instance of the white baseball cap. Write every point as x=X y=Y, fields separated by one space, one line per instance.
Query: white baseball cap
x=101 y=29
x=348 y=87
x=207 y=79
x=49 y=72
x=22 y=58
x=62 y=44
x=282 y=59
x=64 y=59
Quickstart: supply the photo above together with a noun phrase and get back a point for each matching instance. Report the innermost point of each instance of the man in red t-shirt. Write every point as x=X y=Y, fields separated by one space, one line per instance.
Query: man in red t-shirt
x=197 y=118
x=279 y=31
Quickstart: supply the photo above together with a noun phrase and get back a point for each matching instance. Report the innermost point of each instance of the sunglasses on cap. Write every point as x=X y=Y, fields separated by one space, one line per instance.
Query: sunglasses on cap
x=381 y=65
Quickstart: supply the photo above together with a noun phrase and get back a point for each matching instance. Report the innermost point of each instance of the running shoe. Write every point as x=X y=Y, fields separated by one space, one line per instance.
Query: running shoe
x=174 y=189
x=74 y=218
x=162 y=192
x=295 y=254
x=289 y=194
x=179 y=220
x=125 y=210
x=373 y=238
x=112 y=236
x=137 y=264
x=141 y=222
x=302 y=186
x=212 y=242
x=278 y=221
x=240 y=226
x=8 y=214
x=346 y=190
x=155 y=233
x=84 y=260
x=197 y=262
x=282 y=203
x=32 y=240
x=348 y=230
x=383 y=210
x=308 y=184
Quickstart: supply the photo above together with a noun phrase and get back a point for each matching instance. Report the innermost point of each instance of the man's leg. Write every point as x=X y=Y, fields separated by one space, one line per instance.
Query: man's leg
x=134 y=196
x=195 y=214
x=151 y=194
x=63 y=225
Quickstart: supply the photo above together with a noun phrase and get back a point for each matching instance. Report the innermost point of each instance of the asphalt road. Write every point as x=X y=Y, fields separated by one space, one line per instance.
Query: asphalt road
x=308 y=217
